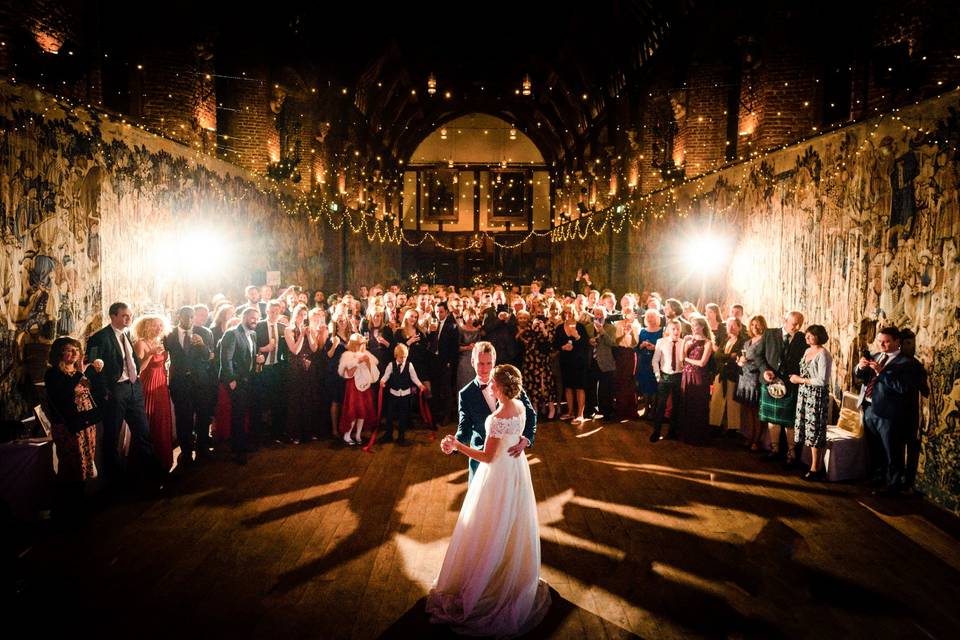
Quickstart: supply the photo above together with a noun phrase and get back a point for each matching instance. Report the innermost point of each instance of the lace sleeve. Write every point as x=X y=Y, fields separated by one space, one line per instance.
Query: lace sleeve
x=498 y=429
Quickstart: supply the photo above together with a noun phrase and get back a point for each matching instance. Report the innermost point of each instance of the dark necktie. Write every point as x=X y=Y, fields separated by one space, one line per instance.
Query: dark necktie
x=882 y=361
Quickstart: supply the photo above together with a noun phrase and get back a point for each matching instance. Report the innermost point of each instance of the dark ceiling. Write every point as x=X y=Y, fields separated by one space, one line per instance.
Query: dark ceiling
x=576 y=56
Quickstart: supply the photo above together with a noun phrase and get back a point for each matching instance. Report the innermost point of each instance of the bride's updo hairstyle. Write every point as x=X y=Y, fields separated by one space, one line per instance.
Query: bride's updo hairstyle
x=508 y=379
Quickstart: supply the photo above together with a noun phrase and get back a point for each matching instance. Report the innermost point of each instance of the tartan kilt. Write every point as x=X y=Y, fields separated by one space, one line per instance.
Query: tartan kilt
x=782 y=411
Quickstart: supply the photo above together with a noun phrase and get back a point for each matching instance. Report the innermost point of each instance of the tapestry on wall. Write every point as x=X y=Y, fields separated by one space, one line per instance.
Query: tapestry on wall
x=94 y=211
x=857 y=229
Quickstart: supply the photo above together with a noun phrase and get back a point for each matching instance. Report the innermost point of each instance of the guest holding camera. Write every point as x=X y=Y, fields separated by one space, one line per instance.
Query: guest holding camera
x=890 y=379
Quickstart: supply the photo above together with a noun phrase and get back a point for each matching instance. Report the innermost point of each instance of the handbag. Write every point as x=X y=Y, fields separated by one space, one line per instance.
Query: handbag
x=748 y=388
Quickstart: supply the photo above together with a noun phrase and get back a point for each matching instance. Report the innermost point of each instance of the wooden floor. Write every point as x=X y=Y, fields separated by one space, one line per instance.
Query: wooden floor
x=657 y=541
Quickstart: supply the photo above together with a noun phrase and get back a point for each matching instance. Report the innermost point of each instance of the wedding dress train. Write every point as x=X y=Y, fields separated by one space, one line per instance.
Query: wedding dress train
x=490 y=580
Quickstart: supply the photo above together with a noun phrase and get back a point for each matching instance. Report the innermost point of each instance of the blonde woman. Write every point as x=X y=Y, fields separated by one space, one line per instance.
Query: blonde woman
x=148 y=348
x=624 y=354
x=358 y=368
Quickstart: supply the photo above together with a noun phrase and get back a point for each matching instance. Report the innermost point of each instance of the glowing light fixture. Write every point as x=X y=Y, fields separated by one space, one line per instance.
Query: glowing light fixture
x=527 y=86
x=432 y=84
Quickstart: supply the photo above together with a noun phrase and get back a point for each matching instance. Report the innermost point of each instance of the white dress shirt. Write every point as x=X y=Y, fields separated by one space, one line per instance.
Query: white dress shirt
x=487 y=392
x=126 y=351
x=413 y=377
x=667 y=352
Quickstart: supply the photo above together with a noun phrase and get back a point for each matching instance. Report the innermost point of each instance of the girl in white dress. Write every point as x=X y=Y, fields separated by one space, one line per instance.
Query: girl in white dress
x=490 y=580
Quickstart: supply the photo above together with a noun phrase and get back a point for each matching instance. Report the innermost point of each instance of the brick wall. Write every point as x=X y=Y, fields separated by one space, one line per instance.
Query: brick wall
x=246 y=124
x=176 y=95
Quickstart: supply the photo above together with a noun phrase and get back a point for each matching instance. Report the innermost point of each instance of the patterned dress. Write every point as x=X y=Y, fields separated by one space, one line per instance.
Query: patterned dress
x=813 y=403
x=537 y=373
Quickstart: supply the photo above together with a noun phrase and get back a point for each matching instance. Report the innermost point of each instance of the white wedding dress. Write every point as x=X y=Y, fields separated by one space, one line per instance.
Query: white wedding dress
x=490 y=583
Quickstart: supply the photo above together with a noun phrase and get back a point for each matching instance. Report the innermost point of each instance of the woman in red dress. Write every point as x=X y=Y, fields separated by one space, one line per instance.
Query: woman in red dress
x=148 y=347
x=225 y=319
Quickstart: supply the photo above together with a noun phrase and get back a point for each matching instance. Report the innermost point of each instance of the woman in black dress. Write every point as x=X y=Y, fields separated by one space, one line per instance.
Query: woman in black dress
x=321 y=382
x=571 y=339
x=74 y=418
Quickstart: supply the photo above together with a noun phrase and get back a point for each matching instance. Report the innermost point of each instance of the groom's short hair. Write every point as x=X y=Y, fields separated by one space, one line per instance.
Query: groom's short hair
x=483 y=347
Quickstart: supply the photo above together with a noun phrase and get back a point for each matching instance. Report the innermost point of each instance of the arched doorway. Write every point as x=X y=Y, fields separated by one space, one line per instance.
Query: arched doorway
x=474 y=189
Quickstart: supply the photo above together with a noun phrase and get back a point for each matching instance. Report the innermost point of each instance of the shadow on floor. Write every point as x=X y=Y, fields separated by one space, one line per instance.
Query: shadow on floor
x=415 y=623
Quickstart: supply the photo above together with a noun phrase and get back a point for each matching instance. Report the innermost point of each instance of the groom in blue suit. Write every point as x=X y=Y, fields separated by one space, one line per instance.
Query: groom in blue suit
x=476 y=402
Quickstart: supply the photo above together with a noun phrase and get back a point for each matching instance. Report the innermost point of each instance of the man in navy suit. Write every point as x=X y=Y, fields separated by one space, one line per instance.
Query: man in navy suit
x=476 y=402
x=889 y=377
x=238 y=359
x=115 y=383
x=191 y=350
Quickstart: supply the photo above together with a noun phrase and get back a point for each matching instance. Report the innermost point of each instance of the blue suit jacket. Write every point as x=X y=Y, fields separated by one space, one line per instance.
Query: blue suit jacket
x=897 y=379
x=471 y=427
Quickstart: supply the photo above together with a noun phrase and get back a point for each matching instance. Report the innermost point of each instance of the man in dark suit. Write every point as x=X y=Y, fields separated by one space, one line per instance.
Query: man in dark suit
x=476 y=402
x=445 y=344
x=499 y=331
x=115 y=383
x=270 y=381
x=673 y=310
x=191 y=349
x=908 y=347
x=253 y=302
x=238 y=357
x=890 y=378
x=208 y=396
x=780 y=354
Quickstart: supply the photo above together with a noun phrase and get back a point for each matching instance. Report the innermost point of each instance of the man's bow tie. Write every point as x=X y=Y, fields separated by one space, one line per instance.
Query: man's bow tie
x=483 y=386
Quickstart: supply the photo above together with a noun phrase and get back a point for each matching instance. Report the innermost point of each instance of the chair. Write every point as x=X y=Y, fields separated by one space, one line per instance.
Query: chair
x=846 y=456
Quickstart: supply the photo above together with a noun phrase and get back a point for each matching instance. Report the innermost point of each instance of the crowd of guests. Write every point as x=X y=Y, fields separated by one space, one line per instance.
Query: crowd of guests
x=289 y=367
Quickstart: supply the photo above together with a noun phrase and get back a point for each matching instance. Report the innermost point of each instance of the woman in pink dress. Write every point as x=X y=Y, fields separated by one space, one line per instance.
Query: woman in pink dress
x=148 y=347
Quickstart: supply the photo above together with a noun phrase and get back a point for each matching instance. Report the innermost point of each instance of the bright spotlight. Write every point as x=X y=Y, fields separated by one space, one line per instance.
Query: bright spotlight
x=176 y=254
x=706 y=246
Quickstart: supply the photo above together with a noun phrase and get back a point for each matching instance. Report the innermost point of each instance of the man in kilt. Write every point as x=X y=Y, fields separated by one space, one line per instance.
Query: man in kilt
x=780 y=353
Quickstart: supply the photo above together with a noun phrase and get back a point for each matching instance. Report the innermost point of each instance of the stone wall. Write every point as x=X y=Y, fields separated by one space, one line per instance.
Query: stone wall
x=856 y=228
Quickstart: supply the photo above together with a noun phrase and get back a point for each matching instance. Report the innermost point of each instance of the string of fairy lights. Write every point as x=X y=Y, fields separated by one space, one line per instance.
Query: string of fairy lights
x=388 y=228
x=657 y=204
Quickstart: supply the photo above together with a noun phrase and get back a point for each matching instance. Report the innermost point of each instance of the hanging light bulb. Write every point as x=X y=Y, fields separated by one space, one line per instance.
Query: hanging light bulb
x=450 y=163
x=443 y=133
x=513 y=134
x=432 y=84
x=527 y=85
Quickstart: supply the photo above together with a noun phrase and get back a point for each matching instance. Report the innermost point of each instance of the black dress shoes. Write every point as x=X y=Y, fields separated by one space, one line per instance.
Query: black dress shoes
x=655 y=436
x=889 y=490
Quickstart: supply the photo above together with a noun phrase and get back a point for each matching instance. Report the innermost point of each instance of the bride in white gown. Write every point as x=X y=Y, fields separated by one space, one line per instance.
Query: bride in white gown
x=490 y=580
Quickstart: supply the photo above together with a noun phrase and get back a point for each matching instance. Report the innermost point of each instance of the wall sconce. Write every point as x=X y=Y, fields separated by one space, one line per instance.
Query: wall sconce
x=443 y=134
x=513 y=134
x=432 y=84
x=527 y=87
